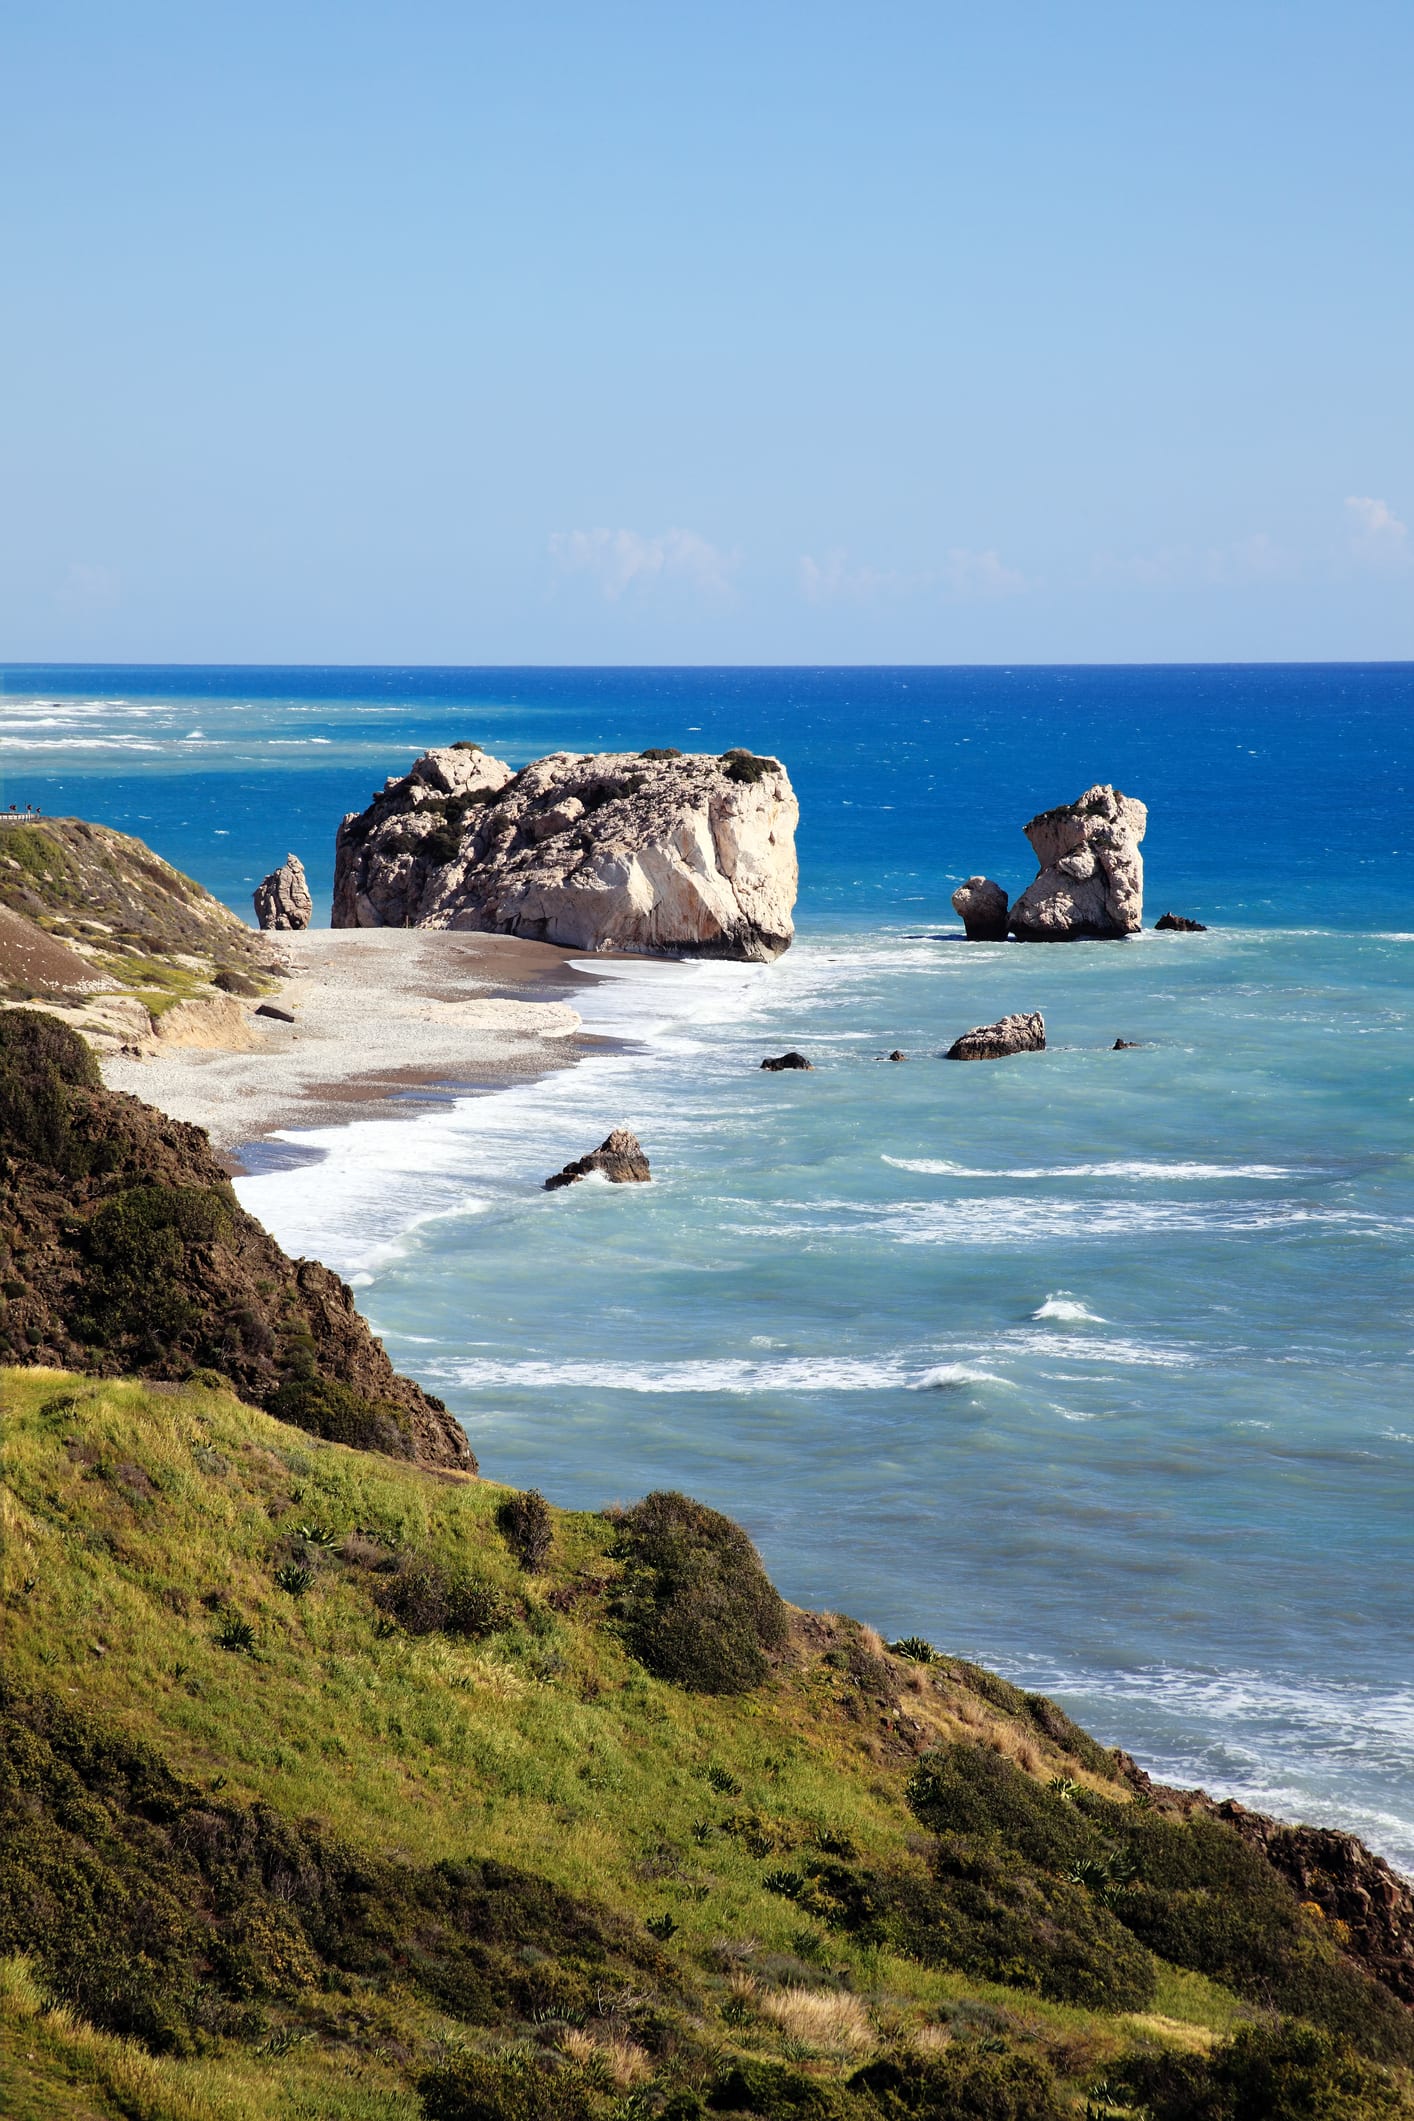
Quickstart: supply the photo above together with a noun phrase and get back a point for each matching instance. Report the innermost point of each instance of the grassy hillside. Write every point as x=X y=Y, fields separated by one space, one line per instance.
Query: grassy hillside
x=131 y=918
x=336 y=1785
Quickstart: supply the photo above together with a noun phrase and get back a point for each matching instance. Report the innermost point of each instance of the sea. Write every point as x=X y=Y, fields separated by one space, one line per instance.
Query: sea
x=1092 y=1365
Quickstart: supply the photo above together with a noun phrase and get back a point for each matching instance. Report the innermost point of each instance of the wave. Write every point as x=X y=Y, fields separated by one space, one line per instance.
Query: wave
x=1124 y=1168
x=1067 y=1310
x=1018 y=1220
x=734 y=1376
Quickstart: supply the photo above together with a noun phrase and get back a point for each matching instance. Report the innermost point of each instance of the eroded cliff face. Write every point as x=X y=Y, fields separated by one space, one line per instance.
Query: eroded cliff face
x=1092 y=874
x=652 y=851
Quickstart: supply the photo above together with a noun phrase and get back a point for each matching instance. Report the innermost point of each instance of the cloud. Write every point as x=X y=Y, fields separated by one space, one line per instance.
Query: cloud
x=619 y=560
x=961 y=577
x=1377 y=538
x=1251 y=559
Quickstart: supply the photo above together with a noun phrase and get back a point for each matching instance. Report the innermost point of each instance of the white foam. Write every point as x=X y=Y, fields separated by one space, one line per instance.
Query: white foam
x=732 y=1375
x=1068 y=1310
x=1135 y=1168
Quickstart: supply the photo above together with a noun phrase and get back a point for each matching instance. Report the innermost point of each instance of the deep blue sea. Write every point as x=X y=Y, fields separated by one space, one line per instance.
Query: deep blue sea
x=1094 y=1366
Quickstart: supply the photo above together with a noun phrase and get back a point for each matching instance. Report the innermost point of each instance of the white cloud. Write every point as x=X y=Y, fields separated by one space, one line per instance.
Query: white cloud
x=1378 y=540
x=962 y=577
x=620 y=559
x=1251 y=559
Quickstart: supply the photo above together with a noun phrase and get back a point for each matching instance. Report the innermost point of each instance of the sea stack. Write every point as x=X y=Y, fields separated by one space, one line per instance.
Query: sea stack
x=282 y=900
x=619 y=1158
x=1092 y=875
x=982 y=905
x=655 y=852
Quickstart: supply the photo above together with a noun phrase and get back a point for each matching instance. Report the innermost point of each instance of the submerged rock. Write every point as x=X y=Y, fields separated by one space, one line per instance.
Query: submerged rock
x=619 y=1156
x=650 y=851
x=283 y=900
x=1124 y=1045
x=982 y=905
x=1010 y=1034
x=787 y=1060
x=1179 y=924
x=1092 y=875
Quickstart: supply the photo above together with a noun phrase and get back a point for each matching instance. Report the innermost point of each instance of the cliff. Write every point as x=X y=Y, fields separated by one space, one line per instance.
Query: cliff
x=654 y=851
x=123 y=1250
x=95 y=925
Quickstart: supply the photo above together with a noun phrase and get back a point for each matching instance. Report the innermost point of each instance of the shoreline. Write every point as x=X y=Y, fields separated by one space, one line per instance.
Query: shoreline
x=386 y=1022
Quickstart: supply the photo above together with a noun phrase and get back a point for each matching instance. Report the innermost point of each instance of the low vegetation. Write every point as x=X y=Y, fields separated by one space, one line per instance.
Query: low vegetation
x=331 y=1785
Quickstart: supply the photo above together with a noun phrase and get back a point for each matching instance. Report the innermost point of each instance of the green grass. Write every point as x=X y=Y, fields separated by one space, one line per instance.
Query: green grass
x=138 y=1524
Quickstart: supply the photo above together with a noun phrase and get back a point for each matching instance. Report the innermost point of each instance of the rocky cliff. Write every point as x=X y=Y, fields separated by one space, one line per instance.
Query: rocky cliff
x=130 y=950
x=124 y=1251
x=1092 y=875
x=652 y=851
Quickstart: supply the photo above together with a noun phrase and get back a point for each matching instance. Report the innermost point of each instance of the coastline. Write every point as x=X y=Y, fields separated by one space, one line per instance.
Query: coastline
x=385 y=1022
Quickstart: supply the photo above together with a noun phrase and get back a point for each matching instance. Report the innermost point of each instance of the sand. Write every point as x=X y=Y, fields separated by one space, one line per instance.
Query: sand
x=385 y=1018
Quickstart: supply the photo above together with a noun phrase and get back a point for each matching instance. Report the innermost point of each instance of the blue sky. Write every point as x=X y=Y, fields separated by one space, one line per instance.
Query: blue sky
x=742 y=333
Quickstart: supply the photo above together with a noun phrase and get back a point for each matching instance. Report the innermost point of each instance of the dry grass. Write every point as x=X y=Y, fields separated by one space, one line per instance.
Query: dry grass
x=608 y=2055
x=930 y=2039
x=832 y=2021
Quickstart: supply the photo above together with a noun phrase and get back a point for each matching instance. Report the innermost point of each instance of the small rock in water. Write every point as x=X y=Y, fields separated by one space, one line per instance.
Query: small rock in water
x=1179 y=924
x=983 y=906
x=1010 y=1034
x=896 y=1055
x=618 y=1156
x=1124 y=1045
x=283 y=900
x=787 y=1060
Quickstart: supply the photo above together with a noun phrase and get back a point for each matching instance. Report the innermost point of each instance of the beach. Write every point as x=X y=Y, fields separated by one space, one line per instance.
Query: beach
x=384 y=1021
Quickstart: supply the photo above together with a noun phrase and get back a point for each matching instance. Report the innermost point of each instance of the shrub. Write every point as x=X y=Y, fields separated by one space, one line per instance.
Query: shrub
x=325 y=1407
x=528 y=1527
x=915 y=1649
x=774 y=2091
x=294 y=1577
x=142 y=1289
x=696 y=1605
x=41 y=1063
x=746 y=766
x=963 y=2084
x=427 y=1599
x=464 y=743
x=968 y=1789
x=1282 y=2072
x=661 y=752
x=472 y=2087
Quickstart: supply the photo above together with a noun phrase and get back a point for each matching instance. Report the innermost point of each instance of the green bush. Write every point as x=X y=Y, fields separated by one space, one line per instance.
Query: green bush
x=776 y=2092
x=968 y=1789
x=143 y=1290
x=661 y=752
x=961 y=2084
x=746 y=766
x=528 y=1528
x=472 y=2087
x=696 y=1605
x=41 y=1063
x=336 y=1412
x=427 y=1599
x=1282 y=2072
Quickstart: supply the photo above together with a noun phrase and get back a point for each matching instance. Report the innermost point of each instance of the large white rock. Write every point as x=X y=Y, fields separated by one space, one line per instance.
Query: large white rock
x=282 y=899
x=1092 y=874
x=599 y=851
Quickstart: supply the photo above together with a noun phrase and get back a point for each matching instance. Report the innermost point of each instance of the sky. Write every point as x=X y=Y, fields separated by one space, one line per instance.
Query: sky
x=505 y=332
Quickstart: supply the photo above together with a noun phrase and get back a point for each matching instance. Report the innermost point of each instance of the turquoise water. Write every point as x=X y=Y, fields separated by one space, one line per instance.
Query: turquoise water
x=1093 y=1365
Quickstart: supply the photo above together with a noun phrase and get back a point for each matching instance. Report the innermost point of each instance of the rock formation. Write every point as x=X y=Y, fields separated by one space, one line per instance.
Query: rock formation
x=125 y=1253
x=653 y=852
x=619 y=1157
x=1179 y=924
x=982 y=905
x=1010 y=1034
x=1092 y=875
x=787 y=1060
x=283 y=900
